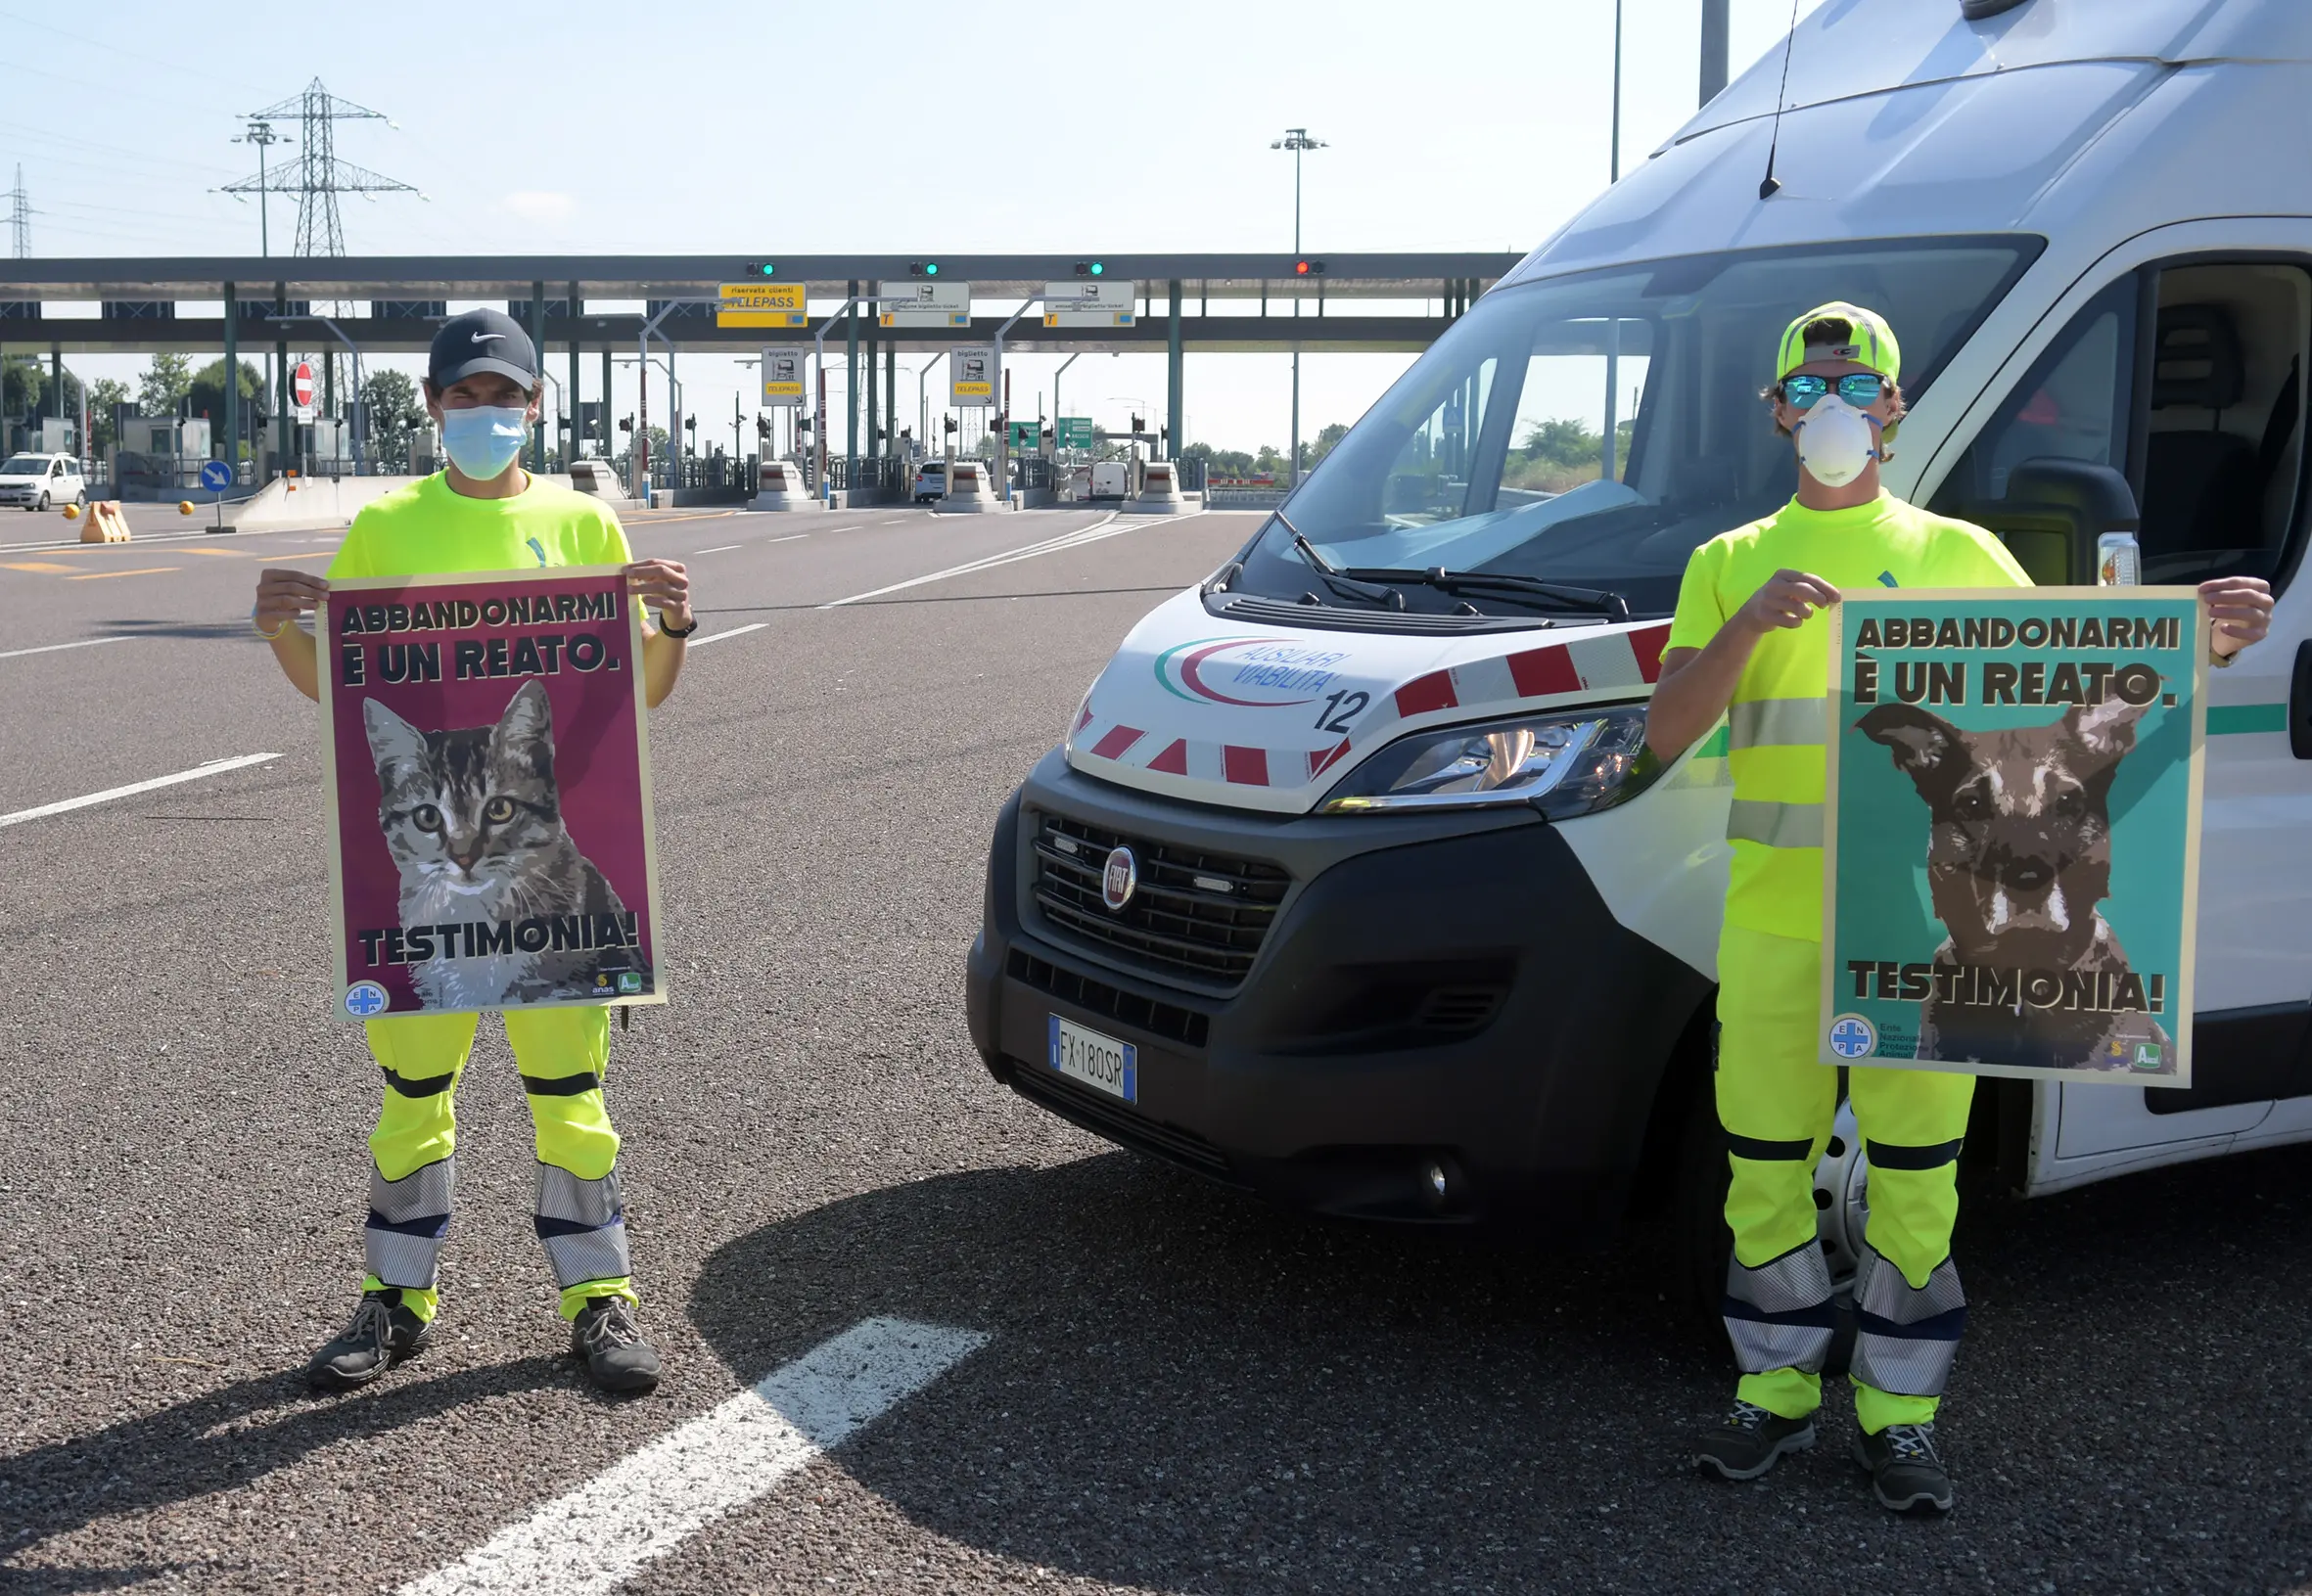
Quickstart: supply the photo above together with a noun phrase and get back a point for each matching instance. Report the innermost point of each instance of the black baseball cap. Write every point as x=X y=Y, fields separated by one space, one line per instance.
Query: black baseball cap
x=482 y=341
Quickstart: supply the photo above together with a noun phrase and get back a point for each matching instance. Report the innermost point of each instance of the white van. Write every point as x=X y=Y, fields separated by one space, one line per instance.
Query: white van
x=1300 y=904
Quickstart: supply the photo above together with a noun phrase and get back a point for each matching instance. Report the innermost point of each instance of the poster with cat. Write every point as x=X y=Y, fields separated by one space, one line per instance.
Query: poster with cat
x=488 y=790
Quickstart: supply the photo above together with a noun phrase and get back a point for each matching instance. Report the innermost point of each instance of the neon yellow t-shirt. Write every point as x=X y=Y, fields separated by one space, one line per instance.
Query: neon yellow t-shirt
x=425 y=529
x=1777 y=720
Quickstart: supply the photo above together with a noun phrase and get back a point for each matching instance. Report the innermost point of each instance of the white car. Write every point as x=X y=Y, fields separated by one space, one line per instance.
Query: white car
x=930 y=480
x=1208 y=938
x=40 y=481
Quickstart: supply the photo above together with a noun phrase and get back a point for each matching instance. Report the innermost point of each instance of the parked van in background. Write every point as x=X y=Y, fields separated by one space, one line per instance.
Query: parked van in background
x=1352 y=881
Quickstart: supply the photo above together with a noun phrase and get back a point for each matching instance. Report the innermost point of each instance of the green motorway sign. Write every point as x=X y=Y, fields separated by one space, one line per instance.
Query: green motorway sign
x=1073 y=432
x=1026 y=435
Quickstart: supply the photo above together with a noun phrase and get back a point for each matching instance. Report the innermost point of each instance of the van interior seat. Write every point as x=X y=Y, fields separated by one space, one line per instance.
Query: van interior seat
x=2203 y=487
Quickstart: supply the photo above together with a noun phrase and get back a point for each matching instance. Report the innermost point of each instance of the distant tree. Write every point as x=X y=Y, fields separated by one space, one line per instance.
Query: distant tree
x=394 y=414
x=103 y=395
x=27 y=387
x=1561 y=453
x=204 y=395
x=1325 y=442
x=166 y=384
x=1270 y=462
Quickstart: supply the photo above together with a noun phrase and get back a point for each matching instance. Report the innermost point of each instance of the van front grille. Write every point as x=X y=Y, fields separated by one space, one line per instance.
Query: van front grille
x=1193 y=913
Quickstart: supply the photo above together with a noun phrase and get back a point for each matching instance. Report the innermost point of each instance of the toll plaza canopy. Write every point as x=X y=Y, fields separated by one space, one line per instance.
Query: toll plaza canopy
x=1245 y=302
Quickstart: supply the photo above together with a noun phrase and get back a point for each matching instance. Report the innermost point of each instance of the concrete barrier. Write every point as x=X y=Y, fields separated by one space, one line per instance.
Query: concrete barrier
x=968 y=490
x=106 y=522
x=316 y=503
x=781 y=486
x=1160 y=492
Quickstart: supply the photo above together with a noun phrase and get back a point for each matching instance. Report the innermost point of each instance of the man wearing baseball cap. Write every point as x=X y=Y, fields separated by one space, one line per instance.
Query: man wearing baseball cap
x=1749 y=642
x=484 y=513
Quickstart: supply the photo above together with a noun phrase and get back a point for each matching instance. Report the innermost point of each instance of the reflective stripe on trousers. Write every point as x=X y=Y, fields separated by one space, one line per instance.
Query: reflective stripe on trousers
x=1776 y=723
x=407 y=1220
x=582 y=1226
x=1906 y=1336
x=1779 y=1315
x=1776 y=824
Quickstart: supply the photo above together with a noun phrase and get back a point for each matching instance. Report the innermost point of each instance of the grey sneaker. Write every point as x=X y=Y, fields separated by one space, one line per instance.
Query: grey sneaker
x=1749 y=1440
x=1906 y=1469
x=383 y=1334
x=609 y=1340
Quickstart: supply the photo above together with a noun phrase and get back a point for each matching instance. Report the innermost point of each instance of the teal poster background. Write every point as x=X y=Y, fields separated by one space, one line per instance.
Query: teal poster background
x=2021 y=813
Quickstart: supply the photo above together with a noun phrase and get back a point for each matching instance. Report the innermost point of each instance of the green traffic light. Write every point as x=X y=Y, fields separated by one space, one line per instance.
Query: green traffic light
x=768 y=269
x=1097 y=269
x=930 y=268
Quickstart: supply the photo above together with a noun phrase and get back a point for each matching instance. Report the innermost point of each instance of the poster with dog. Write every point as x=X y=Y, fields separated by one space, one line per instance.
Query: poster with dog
x=2011 y=847
x=488 y=788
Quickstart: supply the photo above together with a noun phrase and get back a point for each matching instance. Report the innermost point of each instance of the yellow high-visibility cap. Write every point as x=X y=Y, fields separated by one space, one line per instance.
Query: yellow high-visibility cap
x=1871 y=342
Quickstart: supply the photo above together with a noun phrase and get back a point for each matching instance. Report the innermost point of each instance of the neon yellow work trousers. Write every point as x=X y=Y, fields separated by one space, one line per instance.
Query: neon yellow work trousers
x=1776 y=1105
x=562 y=1054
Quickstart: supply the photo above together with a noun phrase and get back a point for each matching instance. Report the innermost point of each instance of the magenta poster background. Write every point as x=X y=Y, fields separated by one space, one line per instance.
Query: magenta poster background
x=600 y=763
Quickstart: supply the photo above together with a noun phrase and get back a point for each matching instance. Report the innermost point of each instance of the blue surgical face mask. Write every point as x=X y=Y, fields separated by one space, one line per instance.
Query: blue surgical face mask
x=484 y=439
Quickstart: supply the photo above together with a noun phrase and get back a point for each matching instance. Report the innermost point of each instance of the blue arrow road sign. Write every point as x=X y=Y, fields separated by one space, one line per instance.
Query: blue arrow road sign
x=216 y=475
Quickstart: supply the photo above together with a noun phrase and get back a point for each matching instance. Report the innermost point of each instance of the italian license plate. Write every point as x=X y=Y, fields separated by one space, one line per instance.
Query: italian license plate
x=1103 y=1063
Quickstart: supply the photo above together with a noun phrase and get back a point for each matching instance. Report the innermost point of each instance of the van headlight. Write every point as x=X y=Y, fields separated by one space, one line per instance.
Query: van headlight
x=1562 y=765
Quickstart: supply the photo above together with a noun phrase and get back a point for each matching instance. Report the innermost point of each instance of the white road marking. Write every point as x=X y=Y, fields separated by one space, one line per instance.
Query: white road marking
x=51 y=648
x=791 y=537
x=899 y=520
x=720 y=548
x=1108 y=526
x=215 y=768
x=735 y=632
x=599 y=1535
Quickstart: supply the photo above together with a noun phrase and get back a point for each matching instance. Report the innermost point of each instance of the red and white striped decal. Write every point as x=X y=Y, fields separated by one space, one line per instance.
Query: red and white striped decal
x=1615 y=662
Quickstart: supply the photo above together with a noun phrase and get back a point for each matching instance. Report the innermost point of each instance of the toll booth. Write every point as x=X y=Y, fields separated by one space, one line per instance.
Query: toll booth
x=1160 y=491
x=970 y=488
x=779 y=485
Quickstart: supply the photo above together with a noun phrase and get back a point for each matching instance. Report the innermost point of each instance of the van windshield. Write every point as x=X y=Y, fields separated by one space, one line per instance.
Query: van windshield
x=24 y=465
x=1490 y=455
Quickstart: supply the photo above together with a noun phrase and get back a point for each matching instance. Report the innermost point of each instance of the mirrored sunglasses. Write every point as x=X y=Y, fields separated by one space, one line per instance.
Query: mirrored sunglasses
x=1859 y=388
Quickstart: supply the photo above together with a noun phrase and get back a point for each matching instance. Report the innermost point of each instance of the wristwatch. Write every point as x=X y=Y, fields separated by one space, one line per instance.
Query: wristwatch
x=665 y=630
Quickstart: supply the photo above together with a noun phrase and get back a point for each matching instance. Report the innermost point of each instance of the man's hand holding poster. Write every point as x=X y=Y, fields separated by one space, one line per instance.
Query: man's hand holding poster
x=489 y=793
x=2011 y=846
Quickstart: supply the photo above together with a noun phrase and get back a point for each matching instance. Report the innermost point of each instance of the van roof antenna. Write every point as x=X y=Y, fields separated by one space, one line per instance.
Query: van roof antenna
x=1767 y=188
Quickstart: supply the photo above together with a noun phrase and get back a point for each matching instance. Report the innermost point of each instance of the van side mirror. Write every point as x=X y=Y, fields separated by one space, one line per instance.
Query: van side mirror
x=2052 y=513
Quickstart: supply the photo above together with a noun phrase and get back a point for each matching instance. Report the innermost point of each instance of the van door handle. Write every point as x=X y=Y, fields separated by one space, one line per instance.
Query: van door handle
x=2300 y=705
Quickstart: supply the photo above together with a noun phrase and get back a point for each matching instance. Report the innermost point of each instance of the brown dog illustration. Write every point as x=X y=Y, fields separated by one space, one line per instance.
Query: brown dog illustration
x=2018 y=857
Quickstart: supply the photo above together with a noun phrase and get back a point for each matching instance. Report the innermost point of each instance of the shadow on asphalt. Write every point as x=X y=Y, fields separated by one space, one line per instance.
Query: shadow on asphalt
x=1187 y=1391
x=218 y=1441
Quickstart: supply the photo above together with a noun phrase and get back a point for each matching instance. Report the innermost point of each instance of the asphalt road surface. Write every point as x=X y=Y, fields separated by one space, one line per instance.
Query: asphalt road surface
x=1035 y=1362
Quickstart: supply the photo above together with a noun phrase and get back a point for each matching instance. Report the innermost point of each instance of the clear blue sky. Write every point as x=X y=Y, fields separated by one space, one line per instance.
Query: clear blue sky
x=691 y=127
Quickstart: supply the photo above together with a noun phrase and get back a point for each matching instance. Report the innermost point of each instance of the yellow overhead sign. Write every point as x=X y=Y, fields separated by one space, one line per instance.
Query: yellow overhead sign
x=761 y=304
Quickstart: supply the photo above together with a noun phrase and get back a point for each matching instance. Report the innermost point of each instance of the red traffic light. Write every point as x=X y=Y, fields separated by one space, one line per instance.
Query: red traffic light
x=1308 y=268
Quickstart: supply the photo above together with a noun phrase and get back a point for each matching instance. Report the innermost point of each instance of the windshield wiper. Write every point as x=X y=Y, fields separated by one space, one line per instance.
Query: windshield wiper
x=1599 y=600
x=1334 y=577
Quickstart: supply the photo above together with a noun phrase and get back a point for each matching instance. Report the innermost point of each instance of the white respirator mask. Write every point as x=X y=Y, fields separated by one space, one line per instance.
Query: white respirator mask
x=1836 y=442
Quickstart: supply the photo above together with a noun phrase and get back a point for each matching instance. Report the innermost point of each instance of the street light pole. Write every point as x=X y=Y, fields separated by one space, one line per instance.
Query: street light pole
x=1297 y=140
x=1609 y=448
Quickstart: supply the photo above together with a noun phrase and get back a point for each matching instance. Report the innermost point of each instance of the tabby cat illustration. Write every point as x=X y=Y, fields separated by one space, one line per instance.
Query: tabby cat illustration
x=473 y=818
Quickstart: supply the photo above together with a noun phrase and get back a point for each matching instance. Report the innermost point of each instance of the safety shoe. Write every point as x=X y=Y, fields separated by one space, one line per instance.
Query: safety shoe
x=383 y=1334
x=1749 y=1440
x=1906 y=1470
x=609 y=1340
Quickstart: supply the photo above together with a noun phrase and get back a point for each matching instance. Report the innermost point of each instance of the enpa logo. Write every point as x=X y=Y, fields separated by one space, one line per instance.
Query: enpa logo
x=1249 y=672
x=365 y=999
x=1853 y=1037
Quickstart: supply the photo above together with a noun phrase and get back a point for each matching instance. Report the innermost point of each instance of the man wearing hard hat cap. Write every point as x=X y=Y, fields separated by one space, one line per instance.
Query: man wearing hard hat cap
x=1749 y=642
